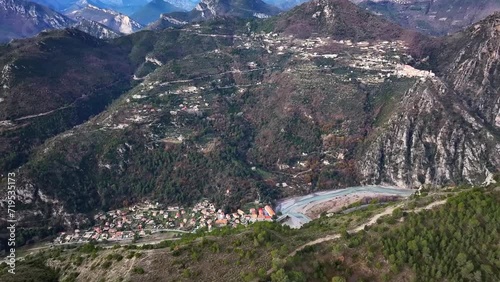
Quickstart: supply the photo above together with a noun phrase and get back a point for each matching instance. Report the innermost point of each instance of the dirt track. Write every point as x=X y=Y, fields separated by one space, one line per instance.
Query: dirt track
x=372 y=221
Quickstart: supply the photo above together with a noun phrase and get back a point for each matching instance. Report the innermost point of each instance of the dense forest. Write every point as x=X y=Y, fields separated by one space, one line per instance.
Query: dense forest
x=456 y=243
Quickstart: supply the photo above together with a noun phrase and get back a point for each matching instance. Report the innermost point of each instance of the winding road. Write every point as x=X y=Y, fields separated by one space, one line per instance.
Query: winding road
x=372 y=221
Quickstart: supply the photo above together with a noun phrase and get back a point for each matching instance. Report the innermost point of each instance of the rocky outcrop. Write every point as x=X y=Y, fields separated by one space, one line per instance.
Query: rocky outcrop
x=446 y=129
x=118 y=22
x=96 y=29
x=432 y=139
x=472 y=68
x=210 y=9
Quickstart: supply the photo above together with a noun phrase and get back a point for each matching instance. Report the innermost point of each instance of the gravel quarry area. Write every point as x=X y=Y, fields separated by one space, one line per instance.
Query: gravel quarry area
x=302 y=209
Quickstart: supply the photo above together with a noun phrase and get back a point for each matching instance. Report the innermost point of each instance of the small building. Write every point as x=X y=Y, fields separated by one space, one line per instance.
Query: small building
x=221 y=222
x=269 y=210
x=261 y=212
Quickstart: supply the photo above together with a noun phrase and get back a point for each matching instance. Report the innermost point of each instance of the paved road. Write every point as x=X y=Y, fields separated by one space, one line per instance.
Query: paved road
x=110 y=244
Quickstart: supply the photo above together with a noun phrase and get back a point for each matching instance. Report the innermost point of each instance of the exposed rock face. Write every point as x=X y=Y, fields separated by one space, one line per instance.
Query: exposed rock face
x=473 y=70
x=431 y=140
x=445 y=130
x=96 y=29
x=209 y=9
x=114 y=20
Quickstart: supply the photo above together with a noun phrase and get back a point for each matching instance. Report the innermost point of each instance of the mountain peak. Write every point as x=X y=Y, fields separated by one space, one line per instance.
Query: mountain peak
x=210 y=9
x=116 y=21
x=20 y=19
x=337 y=18
x=490 y=25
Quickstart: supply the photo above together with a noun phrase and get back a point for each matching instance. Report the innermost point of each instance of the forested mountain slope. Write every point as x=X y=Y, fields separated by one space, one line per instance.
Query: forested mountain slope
x=51 y=83
x=240 y=109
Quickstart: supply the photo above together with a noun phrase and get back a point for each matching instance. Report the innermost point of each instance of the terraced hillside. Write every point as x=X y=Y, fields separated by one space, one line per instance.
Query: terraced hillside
x=236 y=110
x=435 y=17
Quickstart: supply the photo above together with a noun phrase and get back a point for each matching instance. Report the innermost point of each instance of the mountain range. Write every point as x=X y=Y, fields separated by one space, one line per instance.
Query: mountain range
x=114 y=20
x=21 y=19
x=236 y=109
x=107 y=23
x=209 y=9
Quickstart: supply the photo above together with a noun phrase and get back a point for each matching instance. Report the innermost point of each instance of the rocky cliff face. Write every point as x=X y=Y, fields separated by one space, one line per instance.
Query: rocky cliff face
x=116 y=21
x=445 y=130
x=472 y=68
x=96 y=29
x=210 y=9
x=432 y=139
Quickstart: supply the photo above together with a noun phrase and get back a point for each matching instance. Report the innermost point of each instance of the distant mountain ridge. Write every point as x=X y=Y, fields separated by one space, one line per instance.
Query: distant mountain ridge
x=185 y=4
x=431 y=16
x=209 y=9
x=127 y=7
x=285 y=4
x=153 y=10
x=21 y=19
x=112 y=19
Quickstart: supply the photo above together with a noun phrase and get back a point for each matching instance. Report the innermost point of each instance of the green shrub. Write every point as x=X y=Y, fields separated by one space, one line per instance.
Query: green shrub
x=138 y=270
x=107 y=264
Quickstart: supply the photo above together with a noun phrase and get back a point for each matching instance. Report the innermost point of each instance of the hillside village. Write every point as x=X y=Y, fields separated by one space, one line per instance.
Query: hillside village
x=376 y=60
x=148 y=218
x=189 y=101
x=368 y=63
